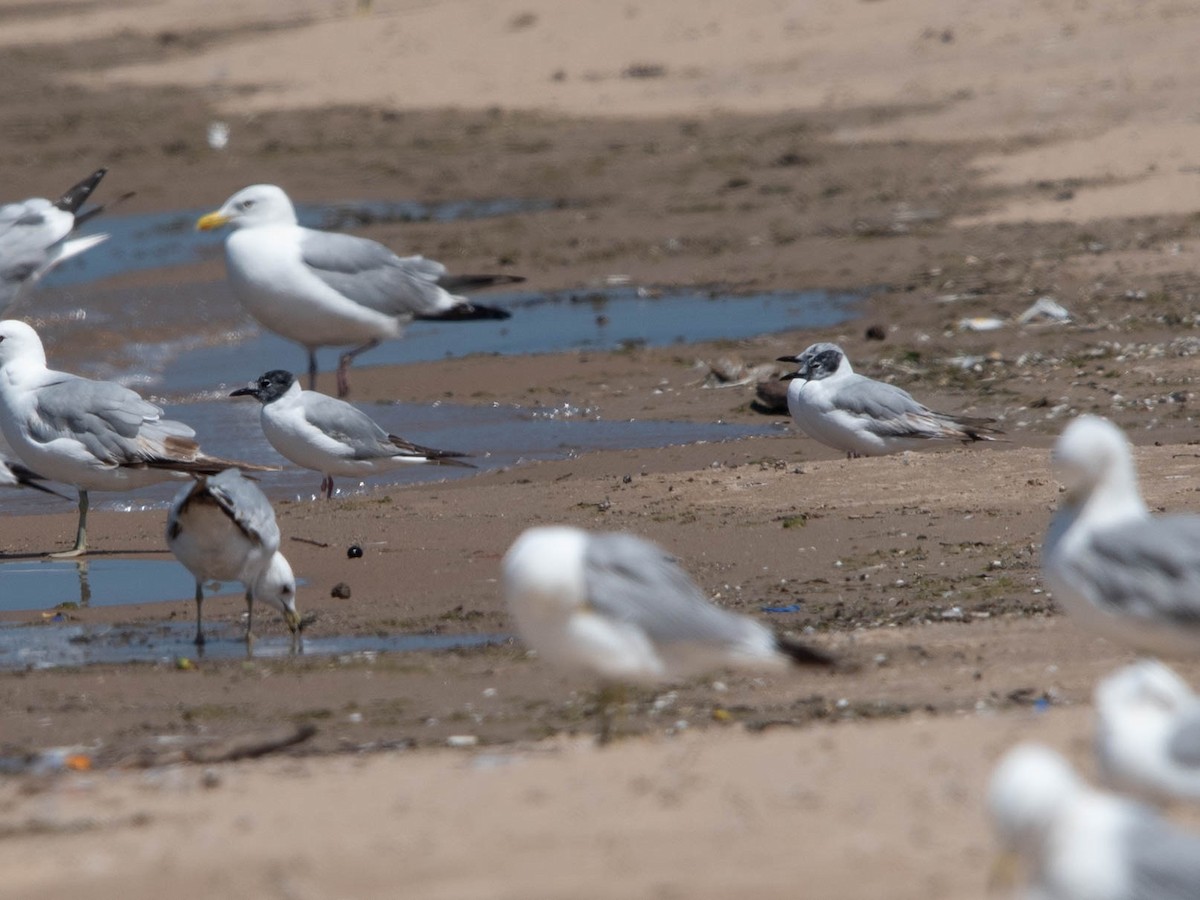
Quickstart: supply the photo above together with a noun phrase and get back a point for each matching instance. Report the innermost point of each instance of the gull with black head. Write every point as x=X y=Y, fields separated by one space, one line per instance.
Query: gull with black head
x=833 y=404
x=330 y=436
x=323 y=289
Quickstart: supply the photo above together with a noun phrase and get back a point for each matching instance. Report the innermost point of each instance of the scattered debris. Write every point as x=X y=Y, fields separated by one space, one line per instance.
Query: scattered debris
x=462 y=740
x=981 y=323
x=876 y=333
x=341 y=591
x=726 y=372
x=201 y=750
x=302 y=540
x=218 y=135
x=1045 y=309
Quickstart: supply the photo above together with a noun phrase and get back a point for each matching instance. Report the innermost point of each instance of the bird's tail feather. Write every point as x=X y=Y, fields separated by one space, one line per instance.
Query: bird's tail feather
x=467 y=312
x=803 y=654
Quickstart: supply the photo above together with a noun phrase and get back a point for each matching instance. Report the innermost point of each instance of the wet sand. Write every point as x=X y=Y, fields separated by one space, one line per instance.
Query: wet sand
x=957 y=162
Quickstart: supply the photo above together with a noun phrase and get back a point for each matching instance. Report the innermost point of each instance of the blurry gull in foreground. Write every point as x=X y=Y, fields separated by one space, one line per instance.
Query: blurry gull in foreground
x=1148 y=736
x=95 y=435
x=619 y=607
x=330 y=436
x=1130 y=576
x=863 y=417
x=323 y=289
x=222 y=528
x=34 y=232
x=1082 y=844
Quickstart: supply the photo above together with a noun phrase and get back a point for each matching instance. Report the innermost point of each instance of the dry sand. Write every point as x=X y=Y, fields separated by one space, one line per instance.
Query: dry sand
x=965 y=158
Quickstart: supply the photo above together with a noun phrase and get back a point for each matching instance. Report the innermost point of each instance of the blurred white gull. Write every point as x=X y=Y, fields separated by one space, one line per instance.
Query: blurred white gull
x=618 y=607
x=1078 y=843
x=1130 y=576
x=1148 y=734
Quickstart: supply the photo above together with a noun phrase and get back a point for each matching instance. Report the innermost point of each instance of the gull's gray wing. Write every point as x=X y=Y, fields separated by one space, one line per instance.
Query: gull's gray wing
x=889 y=411
x=372 y=275
x=1149 y=568
x=1164 y=862
x=247 y=506
x=348 y=425
x=1183 y=747
x=636 y=581
x=114 y=423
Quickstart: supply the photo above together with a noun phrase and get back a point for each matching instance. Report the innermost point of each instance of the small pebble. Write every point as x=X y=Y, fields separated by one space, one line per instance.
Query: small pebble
x=462 y=740
x=355 y=552
x=341 y=591
x=210 y=779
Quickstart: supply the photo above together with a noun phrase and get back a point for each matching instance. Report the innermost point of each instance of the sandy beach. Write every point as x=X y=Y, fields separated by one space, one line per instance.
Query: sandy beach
x=953 y=162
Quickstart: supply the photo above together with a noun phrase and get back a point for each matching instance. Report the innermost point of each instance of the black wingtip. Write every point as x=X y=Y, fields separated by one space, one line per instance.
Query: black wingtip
x=803 y=654
x=30 y=479
x=77 y=195
x=468 y=312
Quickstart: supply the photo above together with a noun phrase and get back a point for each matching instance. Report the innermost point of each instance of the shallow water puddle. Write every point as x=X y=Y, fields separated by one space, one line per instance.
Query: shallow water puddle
x=541 y=323
x=46 y=584
x=496 y=436
x=54 y=646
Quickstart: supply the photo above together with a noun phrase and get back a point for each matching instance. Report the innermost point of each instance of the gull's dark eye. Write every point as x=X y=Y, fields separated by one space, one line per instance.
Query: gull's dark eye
x=246 y=204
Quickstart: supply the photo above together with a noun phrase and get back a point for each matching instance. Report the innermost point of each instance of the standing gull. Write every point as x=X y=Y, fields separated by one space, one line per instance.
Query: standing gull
x=330 y=436
x=619 y=607
x=222 y=528
x=1130 y=576
x=1148 y=735
x=323 y=289
x=864 y=417
x=95 y=435
x=34 y=232
x=1082 y=844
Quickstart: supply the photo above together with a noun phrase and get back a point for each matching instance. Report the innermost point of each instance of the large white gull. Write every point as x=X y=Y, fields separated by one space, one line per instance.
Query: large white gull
x=323 y=289
x=94 y=435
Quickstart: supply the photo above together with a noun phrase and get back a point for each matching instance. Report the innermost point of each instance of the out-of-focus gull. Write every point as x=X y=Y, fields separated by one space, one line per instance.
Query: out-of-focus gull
x=618 y=607
x=1131 y=576
x=95 y=435
x=323 y=289
x=1148 y=733
x=34 y=232
x=330 y=436
x=222 y=528
x=863 y=417
x=1078 y=843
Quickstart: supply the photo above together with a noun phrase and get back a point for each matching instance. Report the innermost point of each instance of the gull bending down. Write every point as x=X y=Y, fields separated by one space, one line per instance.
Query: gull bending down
x=323 y=289
x=222 y=528
x=95 y=435
x=34 y=232
x=330 y=436
x=863 y=417
x=1148 y=735
x=1130 y=576
x=1081 y=844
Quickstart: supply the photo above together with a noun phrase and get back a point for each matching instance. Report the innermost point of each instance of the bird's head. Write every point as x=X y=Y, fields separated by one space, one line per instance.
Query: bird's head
x=259 y=204
x=1090 y=452
x=276 y=587
x=1029 y=789
x=19 y=343
x=818 y=361
x=268 y=387
x=1146 y=686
